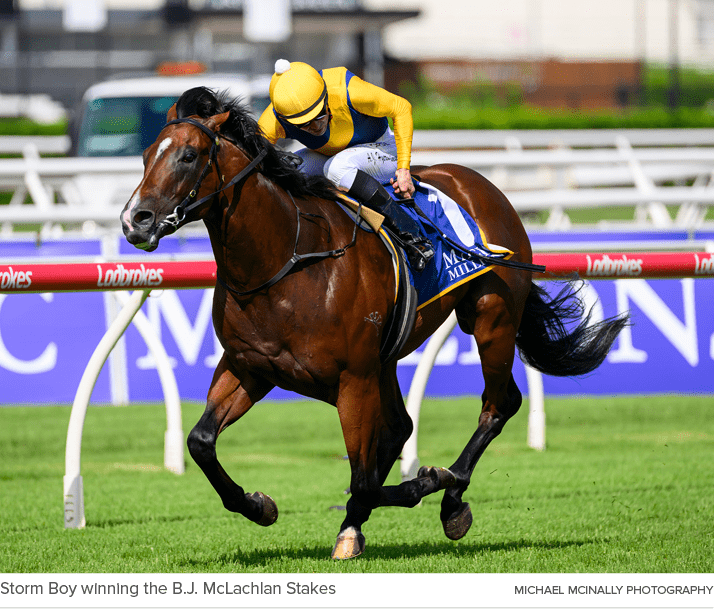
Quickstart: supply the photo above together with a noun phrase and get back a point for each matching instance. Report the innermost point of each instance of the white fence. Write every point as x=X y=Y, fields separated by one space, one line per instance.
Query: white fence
x=541 y=171
x=474 y=139
x=549 y=138
x=15 y=145
x=38 y=107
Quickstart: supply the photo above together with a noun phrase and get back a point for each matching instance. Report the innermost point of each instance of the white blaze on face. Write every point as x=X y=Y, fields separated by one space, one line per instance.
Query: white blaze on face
x=162 y=149
x=126 y=217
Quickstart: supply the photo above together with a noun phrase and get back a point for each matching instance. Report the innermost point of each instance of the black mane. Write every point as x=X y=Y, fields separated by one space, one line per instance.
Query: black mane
x=241 y=127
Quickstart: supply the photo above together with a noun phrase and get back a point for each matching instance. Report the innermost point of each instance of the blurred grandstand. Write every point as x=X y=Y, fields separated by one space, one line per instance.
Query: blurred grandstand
x=549 y=52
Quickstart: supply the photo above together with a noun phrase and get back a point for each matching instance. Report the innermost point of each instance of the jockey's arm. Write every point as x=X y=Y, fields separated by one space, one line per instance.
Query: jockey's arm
x=270 y=126
x=375 y=101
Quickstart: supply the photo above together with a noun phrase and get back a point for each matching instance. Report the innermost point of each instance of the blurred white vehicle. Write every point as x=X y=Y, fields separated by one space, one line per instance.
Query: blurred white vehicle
x=119 y=118
x=123 y=116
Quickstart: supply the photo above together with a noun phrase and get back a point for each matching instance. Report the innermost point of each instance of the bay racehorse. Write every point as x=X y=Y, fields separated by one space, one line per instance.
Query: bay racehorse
x=314 y=325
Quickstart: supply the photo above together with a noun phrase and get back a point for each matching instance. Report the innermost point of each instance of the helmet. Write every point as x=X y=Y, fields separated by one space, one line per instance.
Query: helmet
x=297 y=91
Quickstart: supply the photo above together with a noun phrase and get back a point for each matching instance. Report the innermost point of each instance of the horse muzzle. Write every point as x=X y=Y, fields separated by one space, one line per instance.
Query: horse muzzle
x=142 y=230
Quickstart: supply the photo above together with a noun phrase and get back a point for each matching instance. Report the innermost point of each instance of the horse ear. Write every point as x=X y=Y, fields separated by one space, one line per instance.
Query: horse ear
x=215 y=122
x=171 y=115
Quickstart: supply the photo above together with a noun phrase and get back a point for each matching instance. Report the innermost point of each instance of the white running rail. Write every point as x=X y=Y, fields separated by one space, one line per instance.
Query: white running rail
x=552 y=171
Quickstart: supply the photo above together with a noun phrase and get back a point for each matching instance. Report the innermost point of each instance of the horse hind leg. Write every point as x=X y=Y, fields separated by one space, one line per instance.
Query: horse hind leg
x=495 y=333
x=228 y=401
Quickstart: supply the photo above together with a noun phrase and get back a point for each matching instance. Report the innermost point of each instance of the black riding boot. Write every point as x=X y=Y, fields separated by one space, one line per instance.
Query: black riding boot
x=370 y=192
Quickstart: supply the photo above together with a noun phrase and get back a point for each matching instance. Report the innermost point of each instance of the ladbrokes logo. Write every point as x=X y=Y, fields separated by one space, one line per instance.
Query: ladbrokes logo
x=12 y=280
x=704 y=266
x=614 y=266
x=120 y=276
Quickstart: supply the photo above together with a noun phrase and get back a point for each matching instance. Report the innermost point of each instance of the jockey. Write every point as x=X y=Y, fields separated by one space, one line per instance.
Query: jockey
x=342 y=122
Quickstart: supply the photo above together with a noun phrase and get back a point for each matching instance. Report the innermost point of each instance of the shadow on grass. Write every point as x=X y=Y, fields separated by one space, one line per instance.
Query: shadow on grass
x=379 y=553
x=459 y=549
x=108 y=523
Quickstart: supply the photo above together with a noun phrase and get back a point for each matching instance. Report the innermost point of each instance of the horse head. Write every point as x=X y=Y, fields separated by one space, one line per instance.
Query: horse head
x=178 y=167
x=179 y=180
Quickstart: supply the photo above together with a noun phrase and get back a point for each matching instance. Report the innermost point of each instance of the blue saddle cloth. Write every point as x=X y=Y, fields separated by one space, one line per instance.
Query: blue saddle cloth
x=452 y=264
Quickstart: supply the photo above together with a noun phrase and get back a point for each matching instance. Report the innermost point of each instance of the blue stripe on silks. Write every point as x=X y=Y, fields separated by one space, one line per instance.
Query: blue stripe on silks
x=366 y=128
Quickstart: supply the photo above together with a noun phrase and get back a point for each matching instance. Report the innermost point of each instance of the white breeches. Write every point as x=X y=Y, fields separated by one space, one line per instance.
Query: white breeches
x=378 y=159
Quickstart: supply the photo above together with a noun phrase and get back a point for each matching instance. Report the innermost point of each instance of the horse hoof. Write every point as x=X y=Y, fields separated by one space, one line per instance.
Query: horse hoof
x=270 y=509
x=443 y=477
x=456 y=527
x=350 y=544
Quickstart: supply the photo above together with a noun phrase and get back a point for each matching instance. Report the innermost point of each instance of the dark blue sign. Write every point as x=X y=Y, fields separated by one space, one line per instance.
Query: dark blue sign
x=46 y=341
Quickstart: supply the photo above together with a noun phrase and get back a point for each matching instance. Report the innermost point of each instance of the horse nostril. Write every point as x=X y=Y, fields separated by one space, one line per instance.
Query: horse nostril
x=142 y=217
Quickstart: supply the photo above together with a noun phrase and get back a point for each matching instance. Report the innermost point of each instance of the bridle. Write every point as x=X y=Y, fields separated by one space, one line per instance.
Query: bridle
x=189 y=203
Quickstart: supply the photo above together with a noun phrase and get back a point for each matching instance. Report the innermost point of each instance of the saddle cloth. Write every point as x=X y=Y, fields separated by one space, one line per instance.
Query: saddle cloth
x=461 y=254
x=461 y=251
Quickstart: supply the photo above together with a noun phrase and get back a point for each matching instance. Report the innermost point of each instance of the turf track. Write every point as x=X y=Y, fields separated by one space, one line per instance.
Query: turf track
x=625 y=485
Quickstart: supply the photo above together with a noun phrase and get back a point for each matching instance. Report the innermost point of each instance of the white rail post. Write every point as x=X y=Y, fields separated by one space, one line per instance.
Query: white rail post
x=117 y=365
x=73 y=487
x=536 y=411
x=656 y=209
x=410 y=459
x=41 y=196
x=173 y=439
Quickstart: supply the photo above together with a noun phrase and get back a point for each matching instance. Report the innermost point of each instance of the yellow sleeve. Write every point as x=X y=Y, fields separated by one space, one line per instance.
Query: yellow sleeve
x=375 y=101
x=270 y=126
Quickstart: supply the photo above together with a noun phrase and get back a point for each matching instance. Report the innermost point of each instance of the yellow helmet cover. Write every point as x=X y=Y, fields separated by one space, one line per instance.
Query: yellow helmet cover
x=297 y=91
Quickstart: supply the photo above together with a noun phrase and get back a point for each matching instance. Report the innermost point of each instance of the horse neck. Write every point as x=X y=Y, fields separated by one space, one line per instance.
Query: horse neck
x=253 y=232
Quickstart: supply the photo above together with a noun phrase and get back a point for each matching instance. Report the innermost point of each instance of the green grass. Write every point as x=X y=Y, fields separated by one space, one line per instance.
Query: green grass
x=624 y=486
x=610 y=214
x=463 y=114
x=27 y=127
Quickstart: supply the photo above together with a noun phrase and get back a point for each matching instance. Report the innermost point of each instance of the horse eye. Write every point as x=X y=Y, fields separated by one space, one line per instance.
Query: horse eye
x=189 y=157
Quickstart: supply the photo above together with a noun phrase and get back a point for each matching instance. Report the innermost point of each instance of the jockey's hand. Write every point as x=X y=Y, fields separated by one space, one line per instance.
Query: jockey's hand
x=402 y=184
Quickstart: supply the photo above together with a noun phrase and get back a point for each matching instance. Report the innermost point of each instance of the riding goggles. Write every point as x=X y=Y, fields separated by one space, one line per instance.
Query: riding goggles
x=323 y=113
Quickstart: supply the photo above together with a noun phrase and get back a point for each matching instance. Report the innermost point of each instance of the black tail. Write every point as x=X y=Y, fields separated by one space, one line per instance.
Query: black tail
x=546 y=343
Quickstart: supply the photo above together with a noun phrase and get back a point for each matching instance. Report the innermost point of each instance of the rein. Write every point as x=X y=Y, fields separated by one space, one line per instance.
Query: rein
x=485 y=260
x=188 y=204
x=295 y=259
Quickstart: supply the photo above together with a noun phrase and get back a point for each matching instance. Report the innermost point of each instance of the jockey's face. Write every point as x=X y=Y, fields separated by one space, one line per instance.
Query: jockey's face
x=318 y=125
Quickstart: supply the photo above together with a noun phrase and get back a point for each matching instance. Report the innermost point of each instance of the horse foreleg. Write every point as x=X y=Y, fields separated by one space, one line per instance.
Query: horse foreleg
x=375 y=429
x=495 y=333
x=375 y=426
x=228 y=400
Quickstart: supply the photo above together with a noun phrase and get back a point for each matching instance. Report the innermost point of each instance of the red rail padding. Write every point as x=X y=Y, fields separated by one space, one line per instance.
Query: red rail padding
x=626 y=265
x=78 y=277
